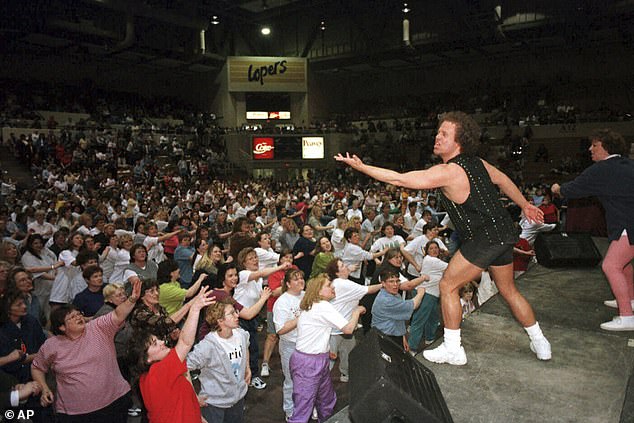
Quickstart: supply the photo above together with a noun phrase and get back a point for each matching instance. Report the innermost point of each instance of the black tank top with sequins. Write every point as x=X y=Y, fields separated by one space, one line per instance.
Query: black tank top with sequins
x=481 y=216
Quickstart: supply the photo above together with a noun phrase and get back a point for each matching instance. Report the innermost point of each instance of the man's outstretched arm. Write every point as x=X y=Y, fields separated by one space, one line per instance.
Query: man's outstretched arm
x=435 y=177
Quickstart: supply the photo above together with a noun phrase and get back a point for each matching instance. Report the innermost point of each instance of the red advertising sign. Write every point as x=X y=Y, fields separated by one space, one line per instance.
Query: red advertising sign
x=263 y=148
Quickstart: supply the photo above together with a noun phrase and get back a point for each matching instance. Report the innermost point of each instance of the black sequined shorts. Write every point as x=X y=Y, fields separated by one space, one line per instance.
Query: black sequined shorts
x=483 y=254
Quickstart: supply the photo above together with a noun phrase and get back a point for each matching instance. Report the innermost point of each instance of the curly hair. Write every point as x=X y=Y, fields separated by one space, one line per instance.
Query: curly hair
x=467 y=131
x=91 y=270
x=611 y=141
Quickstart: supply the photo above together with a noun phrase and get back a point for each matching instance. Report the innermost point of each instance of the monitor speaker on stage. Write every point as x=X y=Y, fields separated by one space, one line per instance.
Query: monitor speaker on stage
x=387 y=385
x=566 y=250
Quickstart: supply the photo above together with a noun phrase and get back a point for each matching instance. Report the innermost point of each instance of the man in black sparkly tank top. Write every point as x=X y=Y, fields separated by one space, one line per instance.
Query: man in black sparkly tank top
x=469 y=194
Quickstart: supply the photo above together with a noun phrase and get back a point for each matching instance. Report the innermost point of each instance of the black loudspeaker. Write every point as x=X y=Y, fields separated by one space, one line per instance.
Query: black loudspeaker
x=566 y=250
x=387 y=385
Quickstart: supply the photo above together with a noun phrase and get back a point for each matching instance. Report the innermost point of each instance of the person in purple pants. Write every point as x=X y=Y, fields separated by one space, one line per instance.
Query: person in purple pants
x=309 y=364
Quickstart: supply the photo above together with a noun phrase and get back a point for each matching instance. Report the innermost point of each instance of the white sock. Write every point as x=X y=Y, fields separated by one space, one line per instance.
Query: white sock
x=452 y=339
x=534 y=332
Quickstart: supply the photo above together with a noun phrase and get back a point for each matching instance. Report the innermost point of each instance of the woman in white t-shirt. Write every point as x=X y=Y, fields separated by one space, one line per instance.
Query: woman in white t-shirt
x=154 y=242
x=264 y=222
x=247 y=293
x=69 y=271
x=337 y=239
x=388 y=240
x=267 y=257
x=121 y=259
x=109 y=256
x=285 y=313
x=200 y=246
x=310 y=361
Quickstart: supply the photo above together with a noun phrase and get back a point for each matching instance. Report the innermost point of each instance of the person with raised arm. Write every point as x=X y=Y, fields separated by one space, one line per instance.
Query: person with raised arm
x=161 y=371
x=89 y=386
x=468 y=187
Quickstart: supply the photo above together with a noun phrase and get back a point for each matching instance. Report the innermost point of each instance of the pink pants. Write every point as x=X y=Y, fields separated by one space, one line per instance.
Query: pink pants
x=618 y=269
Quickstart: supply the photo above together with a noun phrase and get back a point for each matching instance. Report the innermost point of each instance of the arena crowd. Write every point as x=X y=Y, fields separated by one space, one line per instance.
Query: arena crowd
x=120 y=282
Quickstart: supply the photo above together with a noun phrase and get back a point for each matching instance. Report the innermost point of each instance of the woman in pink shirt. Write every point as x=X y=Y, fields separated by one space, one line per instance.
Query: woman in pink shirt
x=90 y=387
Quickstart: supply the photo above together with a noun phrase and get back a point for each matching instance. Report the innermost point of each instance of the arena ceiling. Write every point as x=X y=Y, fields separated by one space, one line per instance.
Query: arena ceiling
x=357 y=35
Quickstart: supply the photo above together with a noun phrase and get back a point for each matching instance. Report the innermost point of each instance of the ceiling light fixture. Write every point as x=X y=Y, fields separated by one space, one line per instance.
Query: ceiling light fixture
x=406 y=9
x=215 y=20
x=322 y=25
x=265 y=30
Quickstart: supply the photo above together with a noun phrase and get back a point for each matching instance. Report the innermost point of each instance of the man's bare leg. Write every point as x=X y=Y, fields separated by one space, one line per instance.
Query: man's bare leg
x=521 y=309
x=458 y=273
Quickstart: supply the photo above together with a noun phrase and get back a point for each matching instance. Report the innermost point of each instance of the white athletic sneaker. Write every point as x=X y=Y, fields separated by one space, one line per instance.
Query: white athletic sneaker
x=265 y=370
x=541 y=348
x=612 y=303
x=442 y=355
x=257 y=383
x=619 y=323
x=134 y=412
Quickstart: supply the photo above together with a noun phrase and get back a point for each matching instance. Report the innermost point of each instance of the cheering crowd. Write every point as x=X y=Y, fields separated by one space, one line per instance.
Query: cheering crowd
x=124 y=287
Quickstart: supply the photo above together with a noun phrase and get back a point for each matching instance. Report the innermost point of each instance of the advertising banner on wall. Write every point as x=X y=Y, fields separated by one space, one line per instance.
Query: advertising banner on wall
x=263 y=148
x=312 y=147
x=267 y=74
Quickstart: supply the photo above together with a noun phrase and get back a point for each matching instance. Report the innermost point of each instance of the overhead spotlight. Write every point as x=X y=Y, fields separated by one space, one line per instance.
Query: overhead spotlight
x=215 y=20
x=406 y=8
x=265 y=30
x=322 y=25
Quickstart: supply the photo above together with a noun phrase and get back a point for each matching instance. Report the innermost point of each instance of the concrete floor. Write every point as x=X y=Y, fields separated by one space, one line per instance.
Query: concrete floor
x=586 y=379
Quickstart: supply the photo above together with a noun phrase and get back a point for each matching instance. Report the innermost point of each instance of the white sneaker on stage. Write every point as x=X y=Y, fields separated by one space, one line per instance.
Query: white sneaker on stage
x=541 y=348
x=619 y=323
x=612 y=303
x=442 y=355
